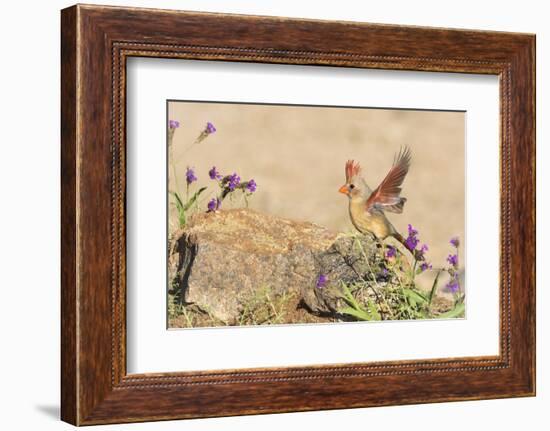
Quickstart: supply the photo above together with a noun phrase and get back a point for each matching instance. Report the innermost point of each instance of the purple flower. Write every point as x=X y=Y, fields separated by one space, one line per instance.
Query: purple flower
x=233 y=181
x=214 y=204
x=425 y=266
x=321 y=281
x=420 y=254
x=412 y=241
x=214 y=174
x=390 y=252
x=190 y=176
x=455 y=242
x=209 y=129
x=412 y=230
x=453 y=259
x=385 y=272
x=453 y=285
x=251 y=186
x=173 y=124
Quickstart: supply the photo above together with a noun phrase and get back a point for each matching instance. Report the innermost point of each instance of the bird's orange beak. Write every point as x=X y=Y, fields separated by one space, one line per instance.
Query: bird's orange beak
x=344 y=189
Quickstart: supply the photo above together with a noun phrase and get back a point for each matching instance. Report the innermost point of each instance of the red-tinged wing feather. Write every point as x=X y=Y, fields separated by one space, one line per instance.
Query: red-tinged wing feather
x=352 y=170
x=386 y=195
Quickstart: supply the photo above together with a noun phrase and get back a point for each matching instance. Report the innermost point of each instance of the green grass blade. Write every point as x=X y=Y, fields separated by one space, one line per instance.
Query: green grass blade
x=179 y=202
x=434 y=288
x=349 y=298
x=414 y=296
x=193 y=199
x=358 y=314
x=180 y=208
x=183 y=208
x=373 y=310
x=458 y=311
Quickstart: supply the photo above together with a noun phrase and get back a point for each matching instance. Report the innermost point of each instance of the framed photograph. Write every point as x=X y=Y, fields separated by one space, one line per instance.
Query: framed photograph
x=277 y=229
x=322 y=214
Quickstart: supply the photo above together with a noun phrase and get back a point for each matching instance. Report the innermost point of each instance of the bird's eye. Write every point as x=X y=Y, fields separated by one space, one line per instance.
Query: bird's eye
x=352 y=186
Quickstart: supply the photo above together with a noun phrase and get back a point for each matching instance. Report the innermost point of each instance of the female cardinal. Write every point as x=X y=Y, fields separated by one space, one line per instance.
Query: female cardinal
x=366 y=207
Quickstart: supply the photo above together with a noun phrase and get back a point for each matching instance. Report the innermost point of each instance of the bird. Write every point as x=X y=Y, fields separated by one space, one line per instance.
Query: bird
x=367 y=207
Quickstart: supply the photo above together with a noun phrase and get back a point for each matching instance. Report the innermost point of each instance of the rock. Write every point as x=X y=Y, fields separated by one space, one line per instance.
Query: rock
x=222 y=260
x=348 y=260
x=222 y=257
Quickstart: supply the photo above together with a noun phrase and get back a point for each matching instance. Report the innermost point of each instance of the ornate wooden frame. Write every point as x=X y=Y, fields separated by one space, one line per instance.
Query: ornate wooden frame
x=95 y=42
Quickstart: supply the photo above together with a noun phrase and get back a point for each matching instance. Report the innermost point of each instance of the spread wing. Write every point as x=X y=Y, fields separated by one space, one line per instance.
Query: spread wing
x=386 y=195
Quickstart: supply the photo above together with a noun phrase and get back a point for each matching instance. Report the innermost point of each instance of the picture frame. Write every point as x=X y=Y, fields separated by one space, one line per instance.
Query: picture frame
x=96 y=42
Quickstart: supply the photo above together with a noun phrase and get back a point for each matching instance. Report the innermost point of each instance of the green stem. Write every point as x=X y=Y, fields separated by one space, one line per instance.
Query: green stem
x=201 y=138
x=173 y=165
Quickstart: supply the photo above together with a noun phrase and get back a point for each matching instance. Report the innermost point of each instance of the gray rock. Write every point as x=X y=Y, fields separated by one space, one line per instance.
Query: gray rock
x=221 y=257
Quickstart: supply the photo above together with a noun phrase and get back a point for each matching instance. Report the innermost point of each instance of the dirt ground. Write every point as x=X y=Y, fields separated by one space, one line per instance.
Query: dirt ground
x=297 y=155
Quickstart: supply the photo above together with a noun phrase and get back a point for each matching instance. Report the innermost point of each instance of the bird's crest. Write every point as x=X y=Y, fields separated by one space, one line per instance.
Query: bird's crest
x=352 y=170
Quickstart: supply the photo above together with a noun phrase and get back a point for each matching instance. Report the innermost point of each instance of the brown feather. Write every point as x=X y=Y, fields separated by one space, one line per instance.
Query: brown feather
x=386 y=195
x=397 y=208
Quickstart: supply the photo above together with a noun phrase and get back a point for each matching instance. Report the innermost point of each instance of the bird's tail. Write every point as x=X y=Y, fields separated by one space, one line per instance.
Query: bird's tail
x=400 y=238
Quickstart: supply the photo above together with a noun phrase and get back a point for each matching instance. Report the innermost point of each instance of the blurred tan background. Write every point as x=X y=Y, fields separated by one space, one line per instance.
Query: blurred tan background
x=297 y=154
